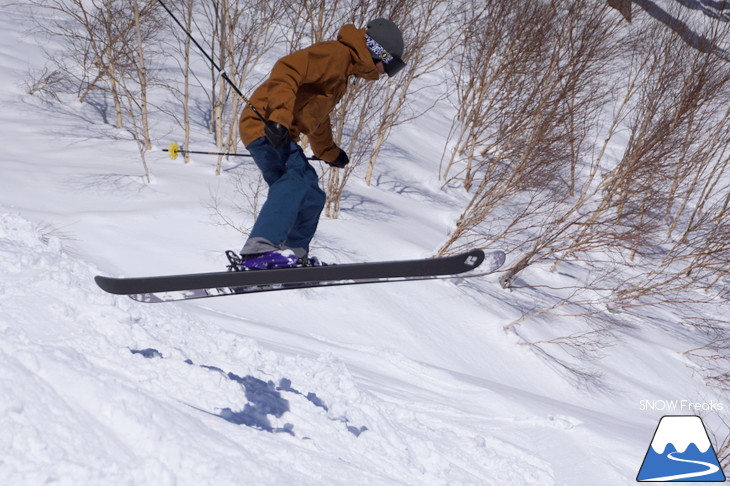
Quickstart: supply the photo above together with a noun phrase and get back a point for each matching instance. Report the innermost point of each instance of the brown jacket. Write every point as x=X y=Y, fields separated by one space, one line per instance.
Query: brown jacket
x=304 y=88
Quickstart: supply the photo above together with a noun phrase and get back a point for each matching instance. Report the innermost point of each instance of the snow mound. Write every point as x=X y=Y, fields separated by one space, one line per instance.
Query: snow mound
x=96 y=389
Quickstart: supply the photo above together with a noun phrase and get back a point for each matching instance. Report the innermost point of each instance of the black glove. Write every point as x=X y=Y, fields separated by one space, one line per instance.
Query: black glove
x=341 y=161
x=276 y=133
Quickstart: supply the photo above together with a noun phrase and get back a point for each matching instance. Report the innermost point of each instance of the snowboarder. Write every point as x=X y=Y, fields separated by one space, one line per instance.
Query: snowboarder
x=297 y=98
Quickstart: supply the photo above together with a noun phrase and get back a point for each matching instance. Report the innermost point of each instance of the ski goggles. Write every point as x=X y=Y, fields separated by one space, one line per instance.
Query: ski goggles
x=393 y=64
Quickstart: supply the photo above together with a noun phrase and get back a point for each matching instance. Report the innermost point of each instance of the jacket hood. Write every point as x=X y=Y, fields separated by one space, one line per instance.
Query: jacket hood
x=362 y=61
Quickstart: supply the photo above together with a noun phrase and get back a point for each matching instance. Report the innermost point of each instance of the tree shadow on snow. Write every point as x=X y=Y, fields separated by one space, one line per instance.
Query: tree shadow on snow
x=130 y=184
x=719 y=10
x=690 y=37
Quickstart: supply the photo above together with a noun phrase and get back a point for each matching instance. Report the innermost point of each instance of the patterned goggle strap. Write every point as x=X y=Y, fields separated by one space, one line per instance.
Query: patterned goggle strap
x=393 y=64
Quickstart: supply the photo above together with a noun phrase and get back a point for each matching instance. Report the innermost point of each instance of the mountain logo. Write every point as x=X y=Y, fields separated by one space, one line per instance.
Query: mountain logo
x=680 y=451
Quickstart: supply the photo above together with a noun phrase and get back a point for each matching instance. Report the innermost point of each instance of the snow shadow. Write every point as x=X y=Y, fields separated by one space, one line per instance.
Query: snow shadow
x=690 y=37
x=285 y=385
x=264 y=400
x=715 y=9
x=365 y=207
x=130 y=185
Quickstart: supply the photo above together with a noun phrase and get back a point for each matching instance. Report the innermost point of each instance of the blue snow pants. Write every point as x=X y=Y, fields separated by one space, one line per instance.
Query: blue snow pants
x=289 y=217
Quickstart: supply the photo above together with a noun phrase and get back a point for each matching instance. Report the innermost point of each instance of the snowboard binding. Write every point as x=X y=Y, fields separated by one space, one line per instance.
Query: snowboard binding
x=269 y=261
x=235 y=261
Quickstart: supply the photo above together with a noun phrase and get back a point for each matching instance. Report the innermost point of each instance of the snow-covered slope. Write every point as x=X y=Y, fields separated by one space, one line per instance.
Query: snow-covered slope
x=409 y=383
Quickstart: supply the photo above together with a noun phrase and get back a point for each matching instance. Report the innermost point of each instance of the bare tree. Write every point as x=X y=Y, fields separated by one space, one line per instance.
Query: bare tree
x=528 y=94
x=142 y=75
x=252 y=36
x=667 y=190
x=640 y=196
x=670 y=177
x=429 y=31
x=369 y=111
x=623 y=6
x=311 y=21
x=249 y=189
x=182 y=51
x=105 y=55
x=239 y=35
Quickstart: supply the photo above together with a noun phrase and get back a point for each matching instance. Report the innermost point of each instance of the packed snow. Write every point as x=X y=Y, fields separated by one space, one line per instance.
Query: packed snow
x=405 y=383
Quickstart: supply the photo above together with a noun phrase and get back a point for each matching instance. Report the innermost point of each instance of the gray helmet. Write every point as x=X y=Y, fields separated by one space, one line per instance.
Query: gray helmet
x=385 y=42
x=387 y=34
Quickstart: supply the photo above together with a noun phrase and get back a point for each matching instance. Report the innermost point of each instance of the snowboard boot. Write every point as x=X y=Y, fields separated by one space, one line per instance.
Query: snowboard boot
x=270 y=260
x=263 y=261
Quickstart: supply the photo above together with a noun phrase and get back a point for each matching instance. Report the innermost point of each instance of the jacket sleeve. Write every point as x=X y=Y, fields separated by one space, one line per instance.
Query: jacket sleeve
x=287 y=75
x=322 y=143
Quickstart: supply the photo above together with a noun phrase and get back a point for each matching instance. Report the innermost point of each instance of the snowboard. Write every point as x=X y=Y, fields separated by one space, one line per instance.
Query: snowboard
x=201 y=285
